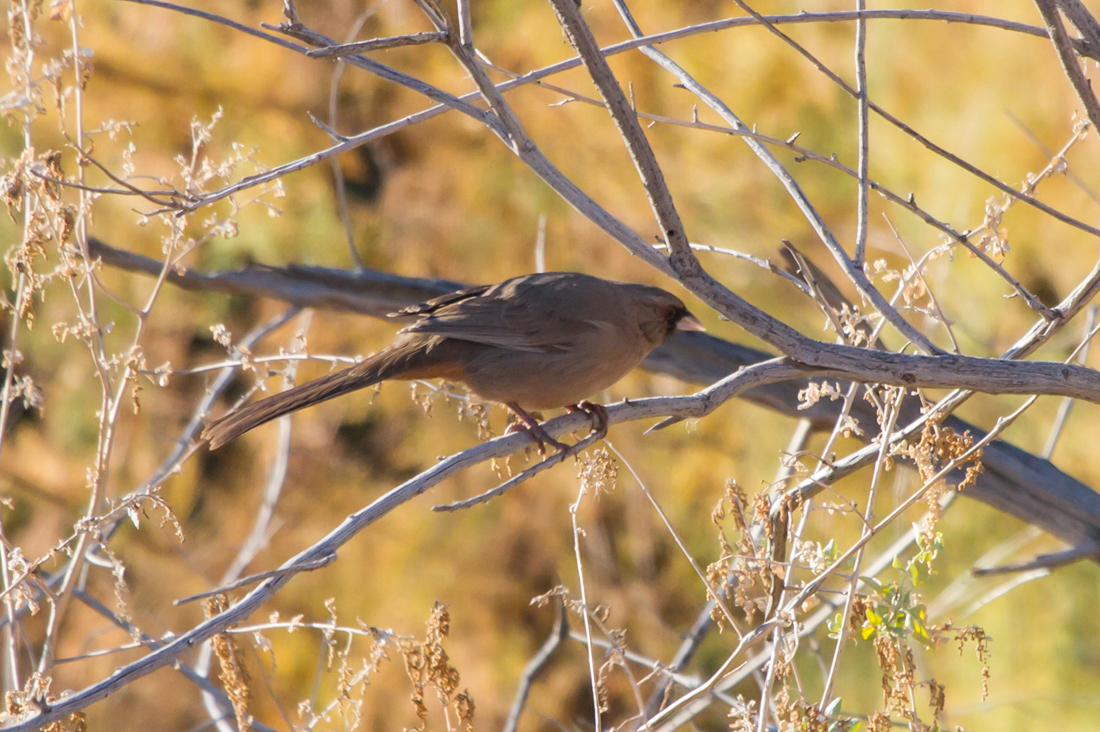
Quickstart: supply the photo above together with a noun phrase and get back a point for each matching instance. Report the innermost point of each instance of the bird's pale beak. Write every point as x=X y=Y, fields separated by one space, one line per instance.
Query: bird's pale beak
x=690 y=322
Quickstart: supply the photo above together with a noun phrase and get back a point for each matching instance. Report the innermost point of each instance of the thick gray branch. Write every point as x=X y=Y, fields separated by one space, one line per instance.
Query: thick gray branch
x=1086 y=25
x=683 y=261
x=698 y=404
x=1016 y=482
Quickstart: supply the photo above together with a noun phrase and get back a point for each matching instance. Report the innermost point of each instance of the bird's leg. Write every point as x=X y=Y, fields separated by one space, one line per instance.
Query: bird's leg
x=597 y=413
x=532 y=427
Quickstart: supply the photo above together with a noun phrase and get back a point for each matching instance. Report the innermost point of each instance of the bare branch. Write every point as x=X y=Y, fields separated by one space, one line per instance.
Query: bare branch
x=1070 y=65
x=355 y=523
x=258 y=577
x=1086 y=25
x=377 y=44
x=1044 y=561
x=1027 y=487
x=806 y=628
x=697 y=280
x=1015 y=482
x=868 y=515
x=942 y=152
x=523 y=477
x=318 y=40
x=536 y=664
x=535 y=76
x=864 y=143
x=812 y=587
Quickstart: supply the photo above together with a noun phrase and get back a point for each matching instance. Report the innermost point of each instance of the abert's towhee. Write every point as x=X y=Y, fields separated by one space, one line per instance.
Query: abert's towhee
x=538 y=341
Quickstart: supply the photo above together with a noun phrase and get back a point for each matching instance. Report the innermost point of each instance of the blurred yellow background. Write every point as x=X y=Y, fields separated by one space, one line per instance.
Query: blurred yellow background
x=446 y=199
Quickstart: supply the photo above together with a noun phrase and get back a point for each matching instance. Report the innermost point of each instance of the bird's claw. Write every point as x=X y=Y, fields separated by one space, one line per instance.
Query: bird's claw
x=540 y=435
x=597 y=413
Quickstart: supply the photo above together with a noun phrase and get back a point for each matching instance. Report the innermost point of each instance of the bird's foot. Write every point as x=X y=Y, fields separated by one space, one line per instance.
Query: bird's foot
x=541 y=436
x=531 y=426
x=597 y=413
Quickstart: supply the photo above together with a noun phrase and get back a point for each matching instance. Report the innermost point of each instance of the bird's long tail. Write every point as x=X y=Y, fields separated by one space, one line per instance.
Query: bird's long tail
x=400 y=361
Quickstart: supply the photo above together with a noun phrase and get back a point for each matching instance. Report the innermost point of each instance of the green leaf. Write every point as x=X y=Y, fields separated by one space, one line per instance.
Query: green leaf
x=872 y=582
x=924 y=640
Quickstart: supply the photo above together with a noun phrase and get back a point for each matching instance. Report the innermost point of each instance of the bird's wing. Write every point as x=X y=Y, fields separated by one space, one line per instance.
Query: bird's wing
x=426 y=308
x=526 y=314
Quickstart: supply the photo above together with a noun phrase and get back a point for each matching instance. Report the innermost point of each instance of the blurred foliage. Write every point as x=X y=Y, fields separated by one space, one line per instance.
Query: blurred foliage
x=445 y=198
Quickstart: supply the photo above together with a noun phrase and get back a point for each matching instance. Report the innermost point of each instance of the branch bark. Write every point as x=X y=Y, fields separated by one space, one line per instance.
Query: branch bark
x=683 y=261
x=1066 y=56
x=1015 y=482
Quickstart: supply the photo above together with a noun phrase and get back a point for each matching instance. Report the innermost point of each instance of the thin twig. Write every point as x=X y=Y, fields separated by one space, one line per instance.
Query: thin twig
x=1044 y=561
x=206 y=685
x=259 y=535
x=376 y=44
x=712 y=591
x=806 y=628
x=688 y=270
x=258 y=577
x=333 y=112
x=942 y=152
x=536 y=664
x=597 y=707
x=523 y=477
x=812 y=587
x=10 y=636
x=1055 y=158
x=1050 y=498
x=868 y=514
x=318 y=40
x=864 y=141
x=13 y=677
x=534 y=76
x=918 y=271
x=780 y=586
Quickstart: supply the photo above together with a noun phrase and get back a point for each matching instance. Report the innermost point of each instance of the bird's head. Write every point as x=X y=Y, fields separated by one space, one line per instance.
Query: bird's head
x=662 y=314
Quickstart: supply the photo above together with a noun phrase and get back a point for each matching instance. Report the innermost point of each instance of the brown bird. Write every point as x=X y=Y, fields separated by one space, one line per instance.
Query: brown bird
x=538 y=341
